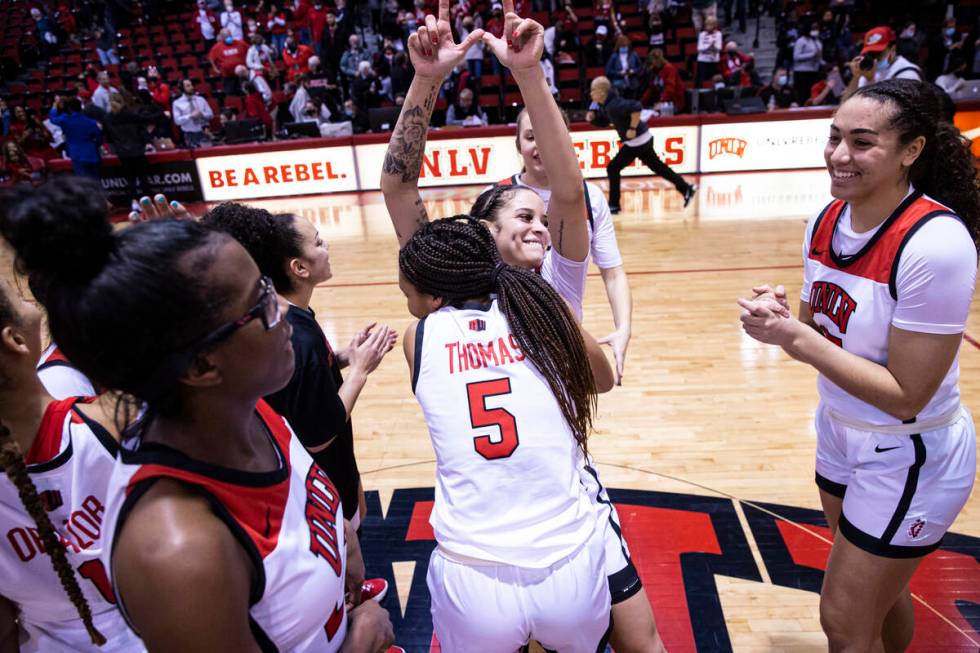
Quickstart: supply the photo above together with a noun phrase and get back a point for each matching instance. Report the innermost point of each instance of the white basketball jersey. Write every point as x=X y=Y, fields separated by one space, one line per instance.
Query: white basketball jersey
x=69 y=462
x=853 y=299
x=60 y=378
x=507 y=482
x=289 y=521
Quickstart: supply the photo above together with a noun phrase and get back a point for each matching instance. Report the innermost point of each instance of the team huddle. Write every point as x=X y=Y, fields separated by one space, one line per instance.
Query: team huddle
x=180 y=472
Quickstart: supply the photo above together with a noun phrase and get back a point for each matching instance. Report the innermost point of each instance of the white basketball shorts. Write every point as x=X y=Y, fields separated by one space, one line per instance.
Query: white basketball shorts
x=901 y=491
x=493 y=608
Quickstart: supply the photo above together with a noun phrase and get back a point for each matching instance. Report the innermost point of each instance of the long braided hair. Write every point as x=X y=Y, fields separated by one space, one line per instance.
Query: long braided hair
x=12 y=462
x=456 y=259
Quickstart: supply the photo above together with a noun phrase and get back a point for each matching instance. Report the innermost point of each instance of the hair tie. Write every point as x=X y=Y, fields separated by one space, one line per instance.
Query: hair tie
x=496 y=273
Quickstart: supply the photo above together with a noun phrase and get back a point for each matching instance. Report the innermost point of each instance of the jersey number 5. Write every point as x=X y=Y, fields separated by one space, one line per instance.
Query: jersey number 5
x=480 y=416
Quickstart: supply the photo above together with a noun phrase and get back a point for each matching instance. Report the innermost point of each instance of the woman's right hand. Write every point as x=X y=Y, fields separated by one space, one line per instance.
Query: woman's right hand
x=368 y=629
x=433 y=51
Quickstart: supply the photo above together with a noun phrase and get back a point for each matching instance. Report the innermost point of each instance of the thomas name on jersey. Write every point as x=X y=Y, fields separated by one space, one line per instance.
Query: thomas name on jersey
x=466 y=356
x=84 y=528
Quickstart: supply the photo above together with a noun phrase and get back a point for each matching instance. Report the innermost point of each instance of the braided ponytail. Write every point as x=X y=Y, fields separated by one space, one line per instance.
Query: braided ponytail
x=457 y=259
x=13 y=464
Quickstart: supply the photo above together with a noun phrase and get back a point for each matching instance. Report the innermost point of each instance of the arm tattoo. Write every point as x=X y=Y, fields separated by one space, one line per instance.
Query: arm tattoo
x=407 y=146
x=423 y=214
x=561 y=237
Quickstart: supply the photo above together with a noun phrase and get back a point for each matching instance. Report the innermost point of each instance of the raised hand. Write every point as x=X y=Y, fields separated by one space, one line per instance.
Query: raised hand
x=160 y=208
x=522 y=43
x=432 y=49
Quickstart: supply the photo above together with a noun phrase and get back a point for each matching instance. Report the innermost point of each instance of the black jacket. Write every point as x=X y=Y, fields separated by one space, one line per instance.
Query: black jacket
x=618 y=112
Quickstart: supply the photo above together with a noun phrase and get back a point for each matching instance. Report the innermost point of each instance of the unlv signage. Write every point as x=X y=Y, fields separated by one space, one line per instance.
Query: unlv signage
x=680 y=544
x=764 y=145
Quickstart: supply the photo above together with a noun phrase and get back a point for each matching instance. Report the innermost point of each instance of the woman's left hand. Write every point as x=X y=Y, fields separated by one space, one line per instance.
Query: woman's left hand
x=763 y=319
x=522 y=42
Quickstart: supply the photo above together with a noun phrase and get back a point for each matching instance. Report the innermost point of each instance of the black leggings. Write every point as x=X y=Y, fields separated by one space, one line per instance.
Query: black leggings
x=644 y=153
x=135 y=169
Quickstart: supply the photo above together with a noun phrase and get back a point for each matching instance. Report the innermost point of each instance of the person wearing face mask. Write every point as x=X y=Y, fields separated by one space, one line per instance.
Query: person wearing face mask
x=296 y=56
x=623 y=66
x=879 y=60
x=231 y=20
x=732 y=62
x=778 y=94
x=807 y=57
x=225 y=56
x=474 y=56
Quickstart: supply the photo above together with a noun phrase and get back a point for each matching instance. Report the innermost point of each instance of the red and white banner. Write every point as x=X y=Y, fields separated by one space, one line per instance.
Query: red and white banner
x=448 y=162
x=676 y=146
x=768 y=145
x=277 y=174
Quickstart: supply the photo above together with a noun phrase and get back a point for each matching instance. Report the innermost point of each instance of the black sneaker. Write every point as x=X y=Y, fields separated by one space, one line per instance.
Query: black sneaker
x=615 y=210
x=689 y=194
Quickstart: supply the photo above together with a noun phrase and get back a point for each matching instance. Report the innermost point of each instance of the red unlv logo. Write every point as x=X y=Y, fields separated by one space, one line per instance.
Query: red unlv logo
x=719 y=146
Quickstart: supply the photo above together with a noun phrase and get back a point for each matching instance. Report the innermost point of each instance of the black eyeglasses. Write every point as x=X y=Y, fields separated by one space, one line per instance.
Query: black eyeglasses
x=265 y=309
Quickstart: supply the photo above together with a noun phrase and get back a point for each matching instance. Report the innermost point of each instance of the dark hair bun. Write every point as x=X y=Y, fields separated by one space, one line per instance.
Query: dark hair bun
x=59 y=232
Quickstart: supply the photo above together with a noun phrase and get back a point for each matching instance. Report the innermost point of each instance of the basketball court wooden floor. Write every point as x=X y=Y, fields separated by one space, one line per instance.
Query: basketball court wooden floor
x=707 y=446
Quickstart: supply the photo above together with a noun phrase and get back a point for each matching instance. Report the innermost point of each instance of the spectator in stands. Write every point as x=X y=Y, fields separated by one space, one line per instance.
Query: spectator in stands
x=251 y=29
x=225 y=56
x=129 y=77
x=401 y=74
x=323 y=86
x=911 y=39
x=952 y=80
x=748 y=77
x=548 y=68
x=709 y=50
x=208 y=22
x=105 y=47
x=828 y=36
x=353 y=56
x=258 y=59
x=474 y=56
x=623 y=68
x=18 y=168
x=466 y=111
x=807 y=59
x=192 y=115
x=231 y=20
x=159 y=91
x=879 y=60
x=5 y=117
x=655 y=30
x=296 y=56
x=318 y=23
x=365 y=88
x=47 y=37
x=732 y=62
x=82 y=137
x=275 y=22
x=159 y=126
x=300 y=21
x=952 y=42
x=301 y=101
x=778 y=94
x=664 y=83
x=828 y=91
x=701 y=11
x=125 y=129
x=567 y=45
x=257 y=107
x=600 y=48
x=495 y=26
x=333 y=41
x=258 y=82
x=31 y=134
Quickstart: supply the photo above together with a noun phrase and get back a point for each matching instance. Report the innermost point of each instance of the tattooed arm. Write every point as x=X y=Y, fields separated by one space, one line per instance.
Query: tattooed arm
x=403 y=160
x=434 y=54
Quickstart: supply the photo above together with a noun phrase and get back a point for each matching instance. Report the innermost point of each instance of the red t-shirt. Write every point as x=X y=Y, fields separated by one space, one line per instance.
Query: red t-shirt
x=297 y=63
x=226 y=57
x=318 y=22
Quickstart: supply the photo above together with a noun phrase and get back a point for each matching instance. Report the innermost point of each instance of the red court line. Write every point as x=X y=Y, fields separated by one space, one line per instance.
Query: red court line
x=969 y=339
x=632 y=273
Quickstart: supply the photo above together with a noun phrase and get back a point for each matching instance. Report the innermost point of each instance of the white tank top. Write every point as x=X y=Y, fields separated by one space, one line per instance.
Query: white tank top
x=288 y=521
x=60 y=378
x=69 y=462
x=507 y=482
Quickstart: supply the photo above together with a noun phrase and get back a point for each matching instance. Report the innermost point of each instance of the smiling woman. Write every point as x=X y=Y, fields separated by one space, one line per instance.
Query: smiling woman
x=889 y=273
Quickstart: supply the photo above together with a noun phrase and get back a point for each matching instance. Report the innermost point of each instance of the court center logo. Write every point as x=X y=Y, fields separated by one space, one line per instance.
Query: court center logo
x=680 y=544
x=733 y=146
